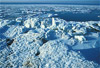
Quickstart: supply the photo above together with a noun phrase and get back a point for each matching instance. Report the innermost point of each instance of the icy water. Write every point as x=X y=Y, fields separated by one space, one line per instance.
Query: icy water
x=92 y=15
x=68 y=16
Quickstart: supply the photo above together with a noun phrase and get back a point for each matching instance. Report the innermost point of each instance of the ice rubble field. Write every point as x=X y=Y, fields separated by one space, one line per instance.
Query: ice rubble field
x=44 y=41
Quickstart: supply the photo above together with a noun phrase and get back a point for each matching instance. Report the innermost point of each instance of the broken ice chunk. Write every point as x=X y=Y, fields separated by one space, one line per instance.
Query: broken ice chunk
x=14 y=31
x=80 y=38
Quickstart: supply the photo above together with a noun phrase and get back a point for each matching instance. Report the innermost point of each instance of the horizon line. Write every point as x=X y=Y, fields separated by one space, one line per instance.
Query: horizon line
x=49 y=3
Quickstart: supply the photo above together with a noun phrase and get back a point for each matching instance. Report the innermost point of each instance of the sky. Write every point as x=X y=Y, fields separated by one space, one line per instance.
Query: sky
x=54 y=1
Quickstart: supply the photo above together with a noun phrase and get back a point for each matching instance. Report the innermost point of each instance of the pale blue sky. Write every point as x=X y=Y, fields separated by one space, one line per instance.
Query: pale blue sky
x=43 y=0
x=61 y=1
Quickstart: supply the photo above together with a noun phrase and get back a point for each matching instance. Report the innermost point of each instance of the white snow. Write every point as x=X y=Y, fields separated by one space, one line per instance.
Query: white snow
x=80 y=38
x=56 y=54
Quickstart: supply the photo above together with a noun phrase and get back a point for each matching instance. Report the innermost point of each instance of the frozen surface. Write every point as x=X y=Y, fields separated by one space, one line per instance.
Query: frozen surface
x=37 y=38
x=57 y=54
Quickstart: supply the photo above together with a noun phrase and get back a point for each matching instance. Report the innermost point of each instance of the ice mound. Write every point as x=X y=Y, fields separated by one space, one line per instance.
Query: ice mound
x=46 y=23
x=52 y=34
x=14 y=31
x=57 y=54
x=51 y=46
x=80 y=32
x=31 y=23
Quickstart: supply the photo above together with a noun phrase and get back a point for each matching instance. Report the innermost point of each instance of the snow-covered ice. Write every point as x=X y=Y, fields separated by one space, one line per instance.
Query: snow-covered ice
x=37 y=38
x=57 y=54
